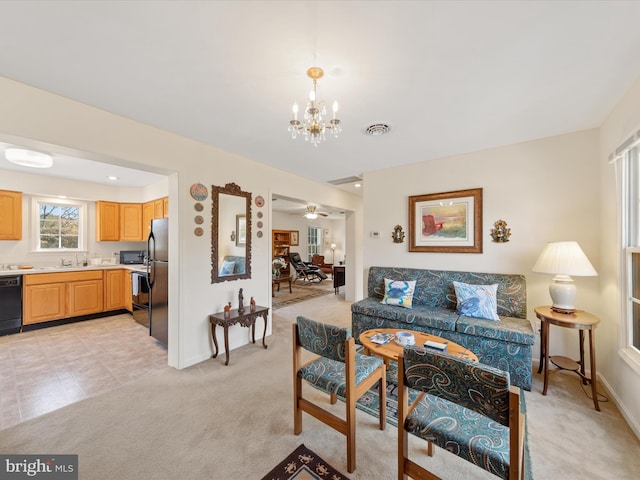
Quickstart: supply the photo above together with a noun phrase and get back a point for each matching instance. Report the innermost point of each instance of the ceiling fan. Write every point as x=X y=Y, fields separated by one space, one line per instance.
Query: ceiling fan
x=311 y=213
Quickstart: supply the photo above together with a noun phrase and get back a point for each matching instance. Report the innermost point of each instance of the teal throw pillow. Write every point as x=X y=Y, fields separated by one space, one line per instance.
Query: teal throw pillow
x=478 y=301
x=398 y=292
x=227 y=268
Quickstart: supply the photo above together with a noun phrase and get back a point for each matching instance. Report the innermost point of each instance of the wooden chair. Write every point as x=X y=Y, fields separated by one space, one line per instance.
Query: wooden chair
x=338 y=371
x=465 y=407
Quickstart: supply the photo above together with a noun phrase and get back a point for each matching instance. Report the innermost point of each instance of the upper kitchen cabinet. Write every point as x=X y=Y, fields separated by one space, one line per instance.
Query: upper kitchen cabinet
x=158 y=208
x=147 y=216
x=107 y=221
x=10 y=215
x=165 y=209
x=131 y=222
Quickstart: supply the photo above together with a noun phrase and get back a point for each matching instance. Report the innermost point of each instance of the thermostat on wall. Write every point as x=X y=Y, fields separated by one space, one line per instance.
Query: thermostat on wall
x=375 y=234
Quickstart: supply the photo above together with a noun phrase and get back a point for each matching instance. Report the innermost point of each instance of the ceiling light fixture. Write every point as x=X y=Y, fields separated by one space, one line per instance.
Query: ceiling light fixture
x=313 y=124
x=28 y=158
x=112 y=178
x=311 y=213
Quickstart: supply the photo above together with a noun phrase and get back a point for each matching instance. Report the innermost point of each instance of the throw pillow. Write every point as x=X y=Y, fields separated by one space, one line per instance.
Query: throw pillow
x=398 y=292
x=478 y=301
x=227 y=268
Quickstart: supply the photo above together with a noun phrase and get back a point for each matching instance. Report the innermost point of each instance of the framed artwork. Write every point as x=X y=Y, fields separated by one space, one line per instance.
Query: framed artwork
x=449 y=222
x=294 y=238
x=241 y=229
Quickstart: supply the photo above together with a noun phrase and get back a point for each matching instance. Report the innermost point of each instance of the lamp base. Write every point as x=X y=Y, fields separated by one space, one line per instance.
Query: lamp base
x=563 y=294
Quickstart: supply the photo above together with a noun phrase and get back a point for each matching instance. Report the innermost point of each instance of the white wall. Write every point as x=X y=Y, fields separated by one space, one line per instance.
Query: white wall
x=546 y=190
x=622 y=380
x=32 y=115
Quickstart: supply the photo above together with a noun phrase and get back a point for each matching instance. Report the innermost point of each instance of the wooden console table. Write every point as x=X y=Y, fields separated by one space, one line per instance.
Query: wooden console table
x=246 y=319
x=581 y=321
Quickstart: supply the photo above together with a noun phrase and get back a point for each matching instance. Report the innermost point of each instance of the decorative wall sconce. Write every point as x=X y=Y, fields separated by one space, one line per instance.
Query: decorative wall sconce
x=500 y=232
x=233 y=235
x=398 y=234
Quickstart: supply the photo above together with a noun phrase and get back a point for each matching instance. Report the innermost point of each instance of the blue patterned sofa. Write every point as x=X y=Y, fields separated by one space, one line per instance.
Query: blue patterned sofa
x=506 y=344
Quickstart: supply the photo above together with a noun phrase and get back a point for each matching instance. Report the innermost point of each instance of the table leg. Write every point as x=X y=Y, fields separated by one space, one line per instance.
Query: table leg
x=541 y=364
x=592 y=359
x=253 y=331
x=545 y=334
x=226 y=343
x=582 y=369
x=215 y=340
x=289 y=289
x=264 y=333
x=273 y=289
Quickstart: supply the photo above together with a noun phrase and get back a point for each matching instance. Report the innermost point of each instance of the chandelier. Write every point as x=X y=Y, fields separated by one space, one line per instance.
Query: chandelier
x=313 y=124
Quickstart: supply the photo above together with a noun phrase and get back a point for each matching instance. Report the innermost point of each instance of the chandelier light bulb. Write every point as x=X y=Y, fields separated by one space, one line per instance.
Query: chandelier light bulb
x=295 y=110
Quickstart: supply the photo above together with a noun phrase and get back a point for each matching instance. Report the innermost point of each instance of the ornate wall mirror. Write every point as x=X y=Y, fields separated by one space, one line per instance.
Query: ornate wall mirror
x=230 y=233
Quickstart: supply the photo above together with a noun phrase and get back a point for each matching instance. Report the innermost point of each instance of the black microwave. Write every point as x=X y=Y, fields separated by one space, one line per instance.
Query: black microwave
x=132 y=257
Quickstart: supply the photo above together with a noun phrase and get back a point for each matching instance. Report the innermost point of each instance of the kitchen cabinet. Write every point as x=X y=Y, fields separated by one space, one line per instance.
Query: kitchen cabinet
x=158 y=208
x=107 y=221
x=52 y=296
x=10 y=215
x=115 y=289
x=165 y=207
x=42 y=303
x=131 y=222
x=147 y=216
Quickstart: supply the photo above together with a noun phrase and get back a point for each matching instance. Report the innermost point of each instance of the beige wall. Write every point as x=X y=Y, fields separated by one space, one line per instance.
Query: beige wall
x=621 y=378
x=33 y=117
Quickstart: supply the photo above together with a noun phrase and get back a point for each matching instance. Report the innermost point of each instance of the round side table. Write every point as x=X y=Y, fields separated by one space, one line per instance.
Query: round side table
x=581 y=321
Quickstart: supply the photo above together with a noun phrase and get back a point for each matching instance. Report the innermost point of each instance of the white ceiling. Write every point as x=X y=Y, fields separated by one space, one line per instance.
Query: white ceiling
x=449 y=77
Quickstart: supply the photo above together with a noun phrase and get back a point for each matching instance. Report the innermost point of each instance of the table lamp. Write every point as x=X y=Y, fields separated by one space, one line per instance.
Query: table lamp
x=564 y=259
x=333 y=253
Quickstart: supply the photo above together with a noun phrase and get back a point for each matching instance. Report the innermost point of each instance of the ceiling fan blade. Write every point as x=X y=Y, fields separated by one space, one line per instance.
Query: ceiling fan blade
x=322 y=214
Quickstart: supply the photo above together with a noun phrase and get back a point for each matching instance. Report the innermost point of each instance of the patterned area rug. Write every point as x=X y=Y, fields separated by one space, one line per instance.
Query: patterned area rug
x=303 y=464
x=300 y=293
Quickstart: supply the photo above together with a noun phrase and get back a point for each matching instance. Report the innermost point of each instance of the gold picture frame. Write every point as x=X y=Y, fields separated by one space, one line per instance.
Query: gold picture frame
x=294 y=238
x=448 y=222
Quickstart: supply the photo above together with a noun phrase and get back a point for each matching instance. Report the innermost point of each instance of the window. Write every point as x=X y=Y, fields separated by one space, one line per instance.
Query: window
x=58 y=224
x=314 y=238
x=630 y=191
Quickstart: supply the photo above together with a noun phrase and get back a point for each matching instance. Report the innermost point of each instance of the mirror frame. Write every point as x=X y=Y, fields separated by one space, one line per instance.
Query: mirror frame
x=235 y=190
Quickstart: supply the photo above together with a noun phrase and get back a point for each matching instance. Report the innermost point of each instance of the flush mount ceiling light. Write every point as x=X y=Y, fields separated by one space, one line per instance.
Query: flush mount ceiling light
x=28 y=158
x=313 y=125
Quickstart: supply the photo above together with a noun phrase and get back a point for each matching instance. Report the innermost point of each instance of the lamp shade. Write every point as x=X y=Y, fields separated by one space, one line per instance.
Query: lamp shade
x=564 y=258
x=333 y=246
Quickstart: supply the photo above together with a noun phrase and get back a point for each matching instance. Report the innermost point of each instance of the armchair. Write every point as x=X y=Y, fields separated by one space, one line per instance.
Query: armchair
x=467 y=408
x=318 y=261
x=338 y=371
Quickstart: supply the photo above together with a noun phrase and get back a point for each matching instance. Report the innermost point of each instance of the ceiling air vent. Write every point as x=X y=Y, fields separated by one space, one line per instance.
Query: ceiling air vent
x=342 y=181
x=377 y=129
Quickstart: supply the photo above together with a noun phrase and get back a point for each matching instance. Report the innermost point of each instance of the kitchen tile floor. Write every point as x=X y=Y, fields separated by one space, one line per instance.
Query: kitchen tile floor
x=46 y=369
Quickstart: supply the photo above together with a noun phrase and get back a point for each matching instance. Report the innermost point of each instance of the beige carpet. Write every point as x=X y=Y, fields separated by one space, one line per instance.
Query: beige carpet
x=215 y=422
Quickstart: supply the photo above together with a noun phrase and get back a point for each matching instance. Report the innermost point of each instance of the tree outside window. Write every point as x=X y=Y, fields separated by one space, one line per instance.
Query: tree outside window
x=59 y=225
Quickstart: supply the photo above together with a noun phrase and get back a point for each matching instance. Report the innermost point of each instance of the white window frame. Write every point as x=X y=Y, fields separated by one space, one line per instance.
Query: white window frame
x=35 y=223
x=313 y=248
x=630 y=236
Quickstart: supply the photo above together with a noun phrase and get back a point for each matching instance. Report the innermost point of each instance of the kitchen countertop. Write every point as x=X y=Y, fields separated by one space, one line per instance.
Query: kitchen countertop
x=133 y=268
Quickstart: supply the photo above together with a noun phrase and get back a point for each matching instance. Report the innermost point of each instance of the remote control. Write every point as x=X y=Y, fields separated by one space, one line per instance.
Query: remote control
x=436 y=345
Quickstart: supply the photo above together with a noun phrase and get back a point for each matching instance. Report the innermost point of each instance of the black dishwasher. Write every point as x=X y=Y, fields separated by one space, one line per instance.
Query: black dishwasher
x=10 y=304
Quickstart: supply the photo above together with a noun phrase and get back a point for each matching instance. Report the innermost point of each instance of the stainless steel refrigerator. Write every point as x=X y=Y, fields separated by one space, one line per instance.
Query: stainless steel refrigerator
x=158 y=248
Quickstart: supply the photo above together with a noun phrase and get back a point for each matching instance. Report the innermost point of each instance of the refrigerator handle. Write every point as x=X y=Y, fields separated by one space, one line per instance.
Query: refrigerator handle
x=151 y=241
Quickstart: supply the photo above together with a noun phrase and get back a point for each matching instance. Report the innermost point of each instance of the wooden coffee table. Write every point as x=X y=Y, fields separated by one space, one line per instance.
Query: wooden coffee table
x=391 y=350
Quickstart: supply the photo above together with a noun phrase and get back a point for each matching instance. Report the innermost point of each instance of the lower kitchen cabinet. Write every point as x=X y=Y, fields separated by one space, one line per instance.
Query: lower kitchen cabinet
x=43 y=303
x=53 y=296
x=115 y=291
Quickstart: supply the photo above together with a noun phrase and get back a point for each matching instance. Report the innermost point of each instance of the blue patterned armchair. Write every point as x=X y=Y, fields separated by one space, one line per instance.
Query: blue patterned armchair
x=339 y=371
x=467 y=408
